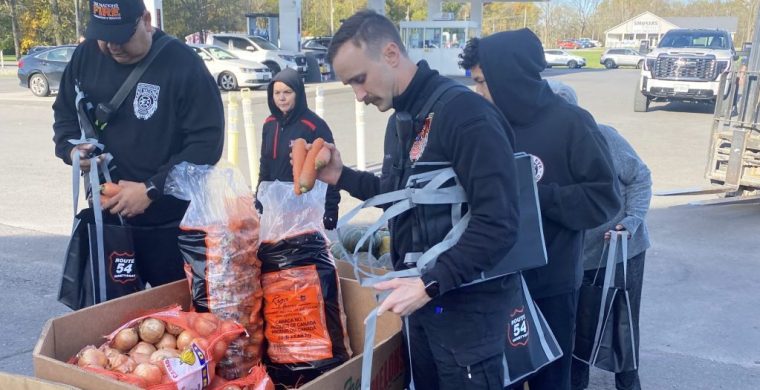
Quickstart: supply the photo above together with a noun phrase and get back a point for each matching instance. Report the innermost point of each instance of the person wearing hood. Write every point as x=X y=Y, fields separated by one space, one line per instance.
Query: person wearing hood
x=636 y=184
x=291 y=119
x=576 y=183
x=456 y=333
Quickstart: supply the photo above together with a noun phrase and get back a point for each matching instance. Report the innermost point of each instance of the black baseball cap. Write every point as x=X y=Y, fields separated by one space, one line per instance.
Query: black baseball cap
x=114 y=20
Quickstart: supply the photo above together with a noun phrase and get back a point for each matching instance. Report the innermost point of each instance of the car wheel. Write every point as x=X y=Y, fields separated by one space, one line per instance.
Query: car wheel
x=39 y=85
x=640 y=64
x=273 y=67
x=572 y=64
x=640 y=101
x=609 y=64
x=227 y=81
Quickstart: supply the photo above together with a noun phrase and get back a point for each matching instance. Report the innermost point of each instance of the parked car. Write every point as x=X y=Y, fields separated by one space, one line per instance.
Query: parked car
x=316 y=43
x=230 y=71
x=317 y=47
x=568 y=44
x=253 y=48
x=41 y=72
x=613 y=58
x=37 y=49
x=584 y=44
x=591 y=42
x=557 y=57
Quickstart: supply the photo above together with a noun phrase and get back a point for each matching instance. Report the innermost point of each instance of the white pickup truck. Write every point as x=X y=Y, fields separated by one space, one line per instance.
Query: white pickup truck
x=685 y=66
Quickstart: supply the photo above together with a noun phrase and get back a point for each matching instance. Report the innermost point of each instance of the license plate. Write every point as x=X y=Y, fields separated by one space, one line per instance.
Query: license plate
x=681 y=88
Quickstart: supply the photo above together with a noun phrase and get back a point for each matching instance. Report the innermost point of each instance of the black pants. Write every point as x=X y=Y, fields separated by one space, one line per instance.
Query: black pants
x=559 y=311
x=628 y=380
x=437 y=368
x=157 y=254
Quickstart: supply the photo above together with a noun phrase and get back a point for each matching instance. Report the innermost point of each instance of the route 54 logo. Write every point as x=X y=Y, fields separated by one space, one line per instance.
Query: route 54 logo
x=122 y=269
x=519 y=329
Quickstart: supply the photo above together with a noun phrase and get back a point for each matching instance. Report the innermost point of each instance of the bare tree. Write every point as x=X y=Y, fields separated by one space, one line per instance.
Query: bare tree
x=57 y=23
x=11 y=4
x=584 y=9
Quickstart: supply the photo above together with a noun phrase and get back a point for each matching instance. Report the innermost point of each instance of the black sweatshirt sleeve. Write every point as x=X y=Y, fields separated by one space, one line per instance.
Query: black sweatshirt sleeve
x=66 y=124
x=483 y=160
x=201 y=122
x=361 y=185
x=333 y=193
x=593 y=198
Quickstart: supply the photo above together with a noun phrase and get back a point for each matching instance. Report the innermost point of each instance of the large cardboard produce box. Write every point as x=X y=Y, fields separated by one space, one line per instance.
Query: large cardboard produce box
x=18 y=382
x=64 y=336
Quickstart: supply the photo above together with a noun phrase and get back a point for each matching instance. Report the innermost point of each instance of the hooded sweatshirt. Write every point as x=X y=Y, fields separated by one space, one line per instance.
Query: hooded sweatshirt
x=280 y=129
x=576 y=182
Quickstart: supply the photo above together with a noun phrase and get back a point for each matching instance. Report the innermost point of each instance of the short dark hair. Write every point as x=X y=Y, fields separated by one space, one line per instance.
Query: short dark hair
x=368 y=27
x=469 y=55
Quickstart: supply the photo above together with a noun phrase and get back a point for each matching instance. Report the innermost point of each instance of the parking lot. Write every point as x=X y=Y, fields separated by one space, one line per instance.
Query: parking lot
x=700 y=323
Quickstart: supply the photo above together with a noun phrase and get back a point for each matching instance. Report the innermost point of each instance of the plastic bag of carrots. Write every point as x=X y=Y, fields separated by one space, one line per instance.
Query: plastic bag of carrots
x=219 y=244
x=164 y=350
x=305 y=325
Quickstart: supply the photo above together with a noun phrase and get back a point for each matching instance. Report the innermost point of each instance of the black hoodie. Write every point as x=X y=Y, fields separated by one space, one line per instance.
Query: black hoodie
x=577 y=185
x=280 y=129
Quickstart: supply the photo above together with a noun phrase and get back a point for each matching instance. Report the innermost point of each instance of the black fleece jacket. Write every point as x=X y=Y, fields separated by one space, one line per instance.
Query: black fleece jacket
x=474 y=137
x=279 y=130
x=577 y=189
x=174 y=114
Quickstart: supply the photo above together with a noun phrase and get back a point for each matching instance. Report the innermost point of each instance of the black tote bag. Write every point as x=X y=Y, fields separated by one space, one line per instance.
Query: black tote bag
x=531 y=345
x=99 y=264
x=604 y=334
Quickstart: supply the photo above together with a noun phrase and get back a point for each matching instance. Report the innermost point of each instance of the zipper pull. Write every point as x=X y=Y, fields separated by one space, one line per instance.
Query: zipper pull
x=469 y=374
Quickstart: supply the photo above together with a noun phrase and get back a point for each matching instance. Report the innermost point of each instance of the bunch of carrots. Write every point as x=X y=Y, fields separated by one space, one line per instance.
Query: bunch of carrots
x=307 y=163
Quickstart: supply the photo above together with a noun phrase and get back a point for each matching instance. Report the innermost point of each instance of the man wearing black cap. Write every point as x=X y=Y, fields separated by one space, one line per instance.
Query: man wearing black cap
x=174 y=113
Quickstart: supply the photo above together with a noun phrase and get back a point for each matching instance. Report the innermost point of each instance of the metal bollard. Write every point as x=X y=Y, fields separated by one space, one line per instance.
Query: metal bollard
x=250 y=137
x=319 y=103
x=361 y=163
x=233 y=131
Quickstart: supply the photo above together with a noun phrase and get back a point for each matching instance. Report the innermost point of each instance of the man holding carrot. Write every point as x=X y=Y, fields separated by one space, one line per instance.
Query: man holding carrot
x=456 y=333
x=174 y=113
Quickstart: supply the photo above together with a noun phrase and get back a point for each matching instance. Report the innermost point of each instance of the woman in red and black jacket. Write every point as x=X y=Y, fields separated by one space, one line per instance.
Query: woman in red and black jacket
x=291 y=119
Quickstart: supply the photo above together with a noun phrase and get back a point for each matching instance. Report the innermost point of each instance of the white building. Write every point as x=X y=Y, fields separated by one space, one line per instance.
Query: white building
x=650 y=27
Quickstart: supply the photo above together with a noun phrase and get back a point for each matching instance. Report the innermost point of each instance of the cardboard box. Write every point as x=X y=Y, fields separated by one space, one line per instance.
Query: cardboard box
x=18 y=382
x=64 y=336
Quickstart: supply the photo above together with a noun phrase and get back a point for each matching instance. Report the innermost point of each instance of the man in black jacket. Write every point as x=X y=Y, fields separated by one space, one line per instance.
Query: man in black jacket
x=457 y=334
x=173 y=114
x=576 y=181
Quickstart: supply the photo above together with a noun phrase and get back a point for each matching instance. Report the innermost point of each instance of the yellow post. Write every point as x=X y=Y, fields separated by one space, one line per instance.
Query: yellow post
x=233 y=132
x=250 y=136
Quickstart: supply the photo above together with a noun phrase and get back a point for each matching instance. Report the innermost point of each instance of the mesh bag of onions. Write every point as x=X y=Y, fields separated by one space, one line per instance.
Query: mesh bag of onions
x=305 y=325
x=219 y=244
x=169 y=349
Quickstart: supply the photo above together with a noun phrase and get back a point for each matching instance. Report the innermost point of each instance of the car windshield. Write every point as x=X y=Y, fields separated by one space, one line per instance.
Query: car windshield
x=266 y=45
x=220 y=54
x=695 y=39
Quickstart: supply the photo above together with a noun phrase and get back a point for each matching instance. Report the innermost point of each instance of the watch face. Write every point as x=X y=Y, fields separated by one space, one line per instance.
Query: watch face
x=431 y=289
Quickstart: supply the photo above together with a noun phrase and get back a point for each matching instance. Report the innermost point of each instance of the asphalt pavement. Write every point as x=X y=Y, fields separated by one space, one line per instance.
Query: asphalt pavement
x=700 y=322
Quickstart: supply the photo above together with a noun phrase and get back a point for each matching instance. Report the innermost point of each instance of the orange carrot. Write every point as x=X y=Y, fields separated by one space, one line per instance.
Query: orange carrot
x=104 y=199
x=109 y=189
x=309 y=170
x=298 y=154
x=323 y=157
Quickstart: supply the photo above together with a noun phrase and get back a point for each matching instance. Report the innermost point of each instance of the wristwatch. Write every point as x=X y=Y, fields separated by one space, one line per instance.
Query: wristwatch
x=151 y=190
x=431 y=288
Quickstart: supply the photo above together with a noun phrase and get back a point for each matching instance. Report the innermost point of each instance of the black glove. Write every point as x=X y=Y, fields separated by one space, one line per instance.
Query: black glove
x=330 y=222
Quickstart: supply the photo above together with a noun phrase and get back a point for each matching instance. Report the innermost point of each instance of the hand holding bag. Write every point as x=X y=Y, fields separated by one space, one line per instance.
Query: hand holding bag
x=604 y=332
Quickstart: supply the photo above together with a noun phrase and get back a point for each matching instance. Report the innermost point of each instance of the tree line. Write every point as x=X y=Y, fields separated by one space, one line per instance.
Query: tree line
x=26 y=23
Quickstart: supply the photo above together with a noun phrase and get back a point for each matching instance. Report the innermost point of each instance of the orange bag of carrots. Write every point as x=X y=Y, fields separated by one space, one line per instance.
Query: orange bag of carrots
x=163 y=350
x=305 y=325
x=219 y=244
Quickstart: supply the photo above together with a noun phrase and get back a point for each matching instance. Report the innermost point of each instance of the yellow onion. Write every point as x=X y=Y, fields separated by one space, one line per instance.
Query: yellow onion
x=168 y=341
x=148 y=372
x=125 y=339
x=151 y=330
x=91 y=357
x=158 y=356
x=144 y=348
